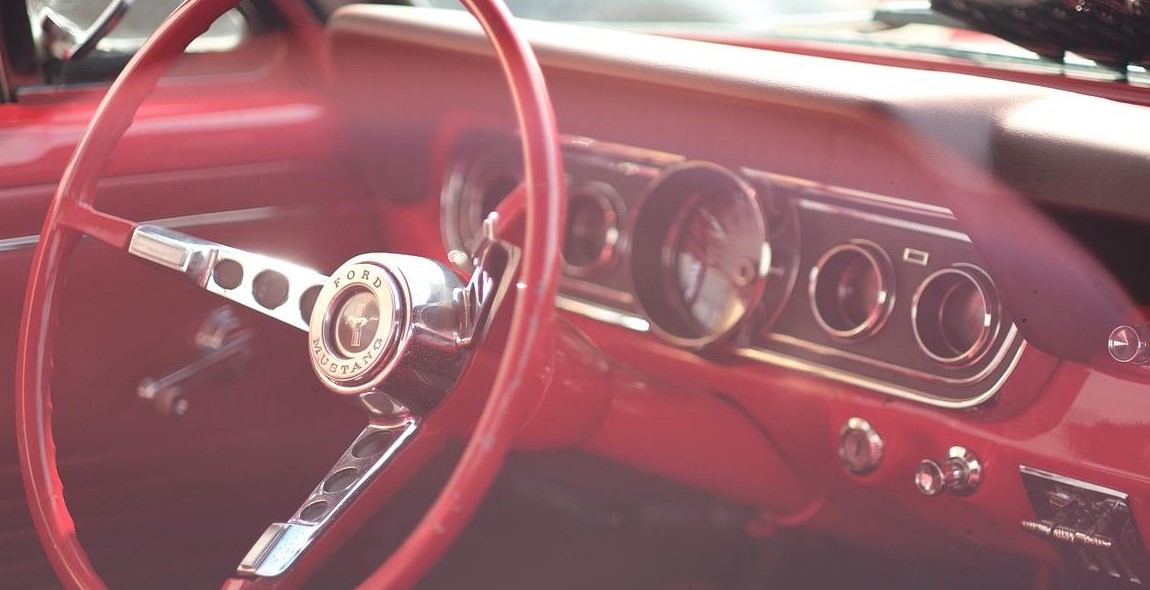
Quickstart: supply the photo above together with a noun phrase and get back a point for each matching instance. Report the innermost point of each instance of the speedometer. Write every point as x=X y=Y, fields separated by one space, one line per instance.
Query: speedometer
x=716 y=252
x=700 y=253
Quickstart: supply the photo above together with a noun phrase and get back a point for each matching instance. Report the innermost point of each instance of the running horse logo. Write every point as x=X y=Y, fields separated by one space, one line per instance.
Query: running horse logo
x=356 y=319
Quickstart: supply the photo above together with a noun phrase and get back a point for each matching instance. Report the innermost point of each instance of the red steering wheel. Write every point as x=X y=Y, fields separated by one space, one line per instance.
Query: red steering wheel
x=370 y=335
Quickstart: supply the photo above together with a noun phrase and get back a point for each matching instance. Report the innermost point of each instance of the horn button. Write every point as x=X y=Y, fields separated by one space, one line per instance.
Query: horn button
x=357 y=323
x=356 y=326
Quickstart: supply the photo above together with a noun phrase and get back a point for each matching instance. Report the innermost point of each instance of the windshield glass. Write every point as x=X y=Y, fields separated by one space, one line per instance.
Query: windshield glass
x=737 y=13
x=1045 y=36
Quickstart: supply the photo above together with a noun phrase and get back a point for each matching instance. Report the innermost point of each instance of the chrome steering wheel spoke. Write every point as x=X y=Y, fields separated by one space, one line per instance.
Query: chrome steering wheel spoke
x=357 y=482
x=282 y=290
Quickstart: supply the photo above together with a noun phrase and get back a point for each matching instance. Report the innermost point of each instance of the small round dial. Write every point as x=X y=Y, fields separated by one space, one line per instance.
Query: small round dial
x=956 y=315
x=594 y=211
x=852 y=290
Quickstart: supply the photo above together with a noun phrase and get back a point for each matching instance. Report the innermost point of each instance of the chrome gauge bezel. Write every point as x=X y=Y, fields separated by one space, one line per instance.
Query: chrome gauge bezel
x=992 y=322
x=610 y=204
x=461 y=198
x=878 y=259
x=668 y=200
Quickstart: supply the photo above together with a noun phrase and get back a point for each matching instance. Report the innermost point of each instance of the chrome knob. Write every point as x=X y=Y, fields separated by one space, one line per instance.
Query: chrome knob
x=959 y=474
x=1130 y=344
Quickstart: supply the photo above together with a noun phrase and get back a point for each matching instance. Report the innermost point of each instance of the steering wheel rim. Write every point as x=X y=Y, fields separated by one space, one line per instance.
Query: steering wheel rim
x=72 y=214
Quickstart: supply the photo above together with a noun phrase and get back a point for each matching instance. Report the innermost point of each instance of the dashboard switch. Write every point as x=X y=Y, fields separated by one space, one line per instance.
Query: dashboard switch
x=960 y=473
x=1130 y=344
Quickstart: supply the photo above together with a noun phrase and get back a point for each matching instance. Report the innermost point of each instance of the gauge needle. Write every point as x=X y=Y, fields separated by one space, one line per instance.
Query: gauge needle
x=710 y=246
x=713 y=223
x=695 y=258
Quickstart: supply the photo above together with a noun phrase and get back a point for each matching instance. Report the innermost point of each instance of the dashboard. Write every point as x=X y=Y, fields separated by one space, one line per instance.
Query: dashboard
x=831 y=290
x=871 y=290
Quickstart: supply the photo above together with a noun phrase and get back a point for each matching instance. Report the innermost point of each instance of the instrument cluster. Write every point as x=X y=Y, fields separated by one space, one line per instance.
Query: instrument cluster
x=871 y=290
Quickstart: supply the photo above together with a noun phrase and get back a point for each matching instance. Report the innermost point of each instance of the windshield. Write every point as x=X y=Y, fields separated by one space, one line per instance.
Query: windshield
x=1091 y=39
x=719 y=13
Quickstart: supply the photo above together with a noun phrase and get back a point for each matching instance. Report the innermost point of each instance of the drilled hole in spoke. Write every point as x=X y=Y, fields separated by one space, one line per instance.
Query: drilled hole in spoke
x=340 y=480
x=307 y=302
x=270 y=289
x=313 y=512
x=228 y=274
x=372 y=445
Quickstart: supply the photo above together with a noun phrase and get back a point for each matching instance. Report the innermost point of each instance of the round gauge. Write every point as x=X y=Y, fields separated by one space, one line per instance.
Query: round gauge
x=715 y=255
x=594 y=211
x=852 y=290
x=699 y=253
x=955 y=315
x=473 y=189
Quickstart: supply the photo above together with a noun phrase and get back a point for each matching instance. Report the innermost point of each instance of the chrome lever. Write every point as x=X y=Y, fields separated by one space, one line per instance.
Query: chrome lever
x=224 y=345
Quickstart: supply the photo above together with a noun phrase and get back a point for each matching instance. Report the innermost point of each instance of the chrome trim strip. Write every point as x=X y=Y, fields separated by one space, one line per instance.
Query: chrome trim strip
x=787 y=362
x=1062 y=479
x=19 y=243
x=638 y=324
x=854 y=195
x=913 y=373
x=922 y=228
x=182 y=221
x=596 y=290
x=221 y=217
x=606 y=162
x=636 y=155
x=602 y=314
